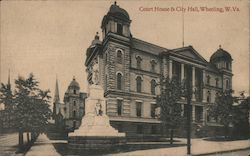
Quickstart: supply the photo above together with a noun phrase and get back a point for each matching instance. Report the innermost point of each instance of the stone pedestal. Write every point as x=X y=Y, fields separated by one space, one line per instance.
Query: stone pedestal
x=95 y=132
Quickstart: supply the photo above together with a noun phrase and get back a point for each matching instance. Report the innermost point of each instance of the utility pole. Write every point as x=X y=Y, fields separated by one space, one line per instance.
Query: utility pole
x=189 y=95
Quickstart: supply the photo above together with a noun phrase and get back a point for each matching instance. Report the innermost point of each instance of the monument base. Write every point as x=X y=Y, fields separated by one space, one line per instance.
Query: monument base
x=95 y=132
x=94 y=143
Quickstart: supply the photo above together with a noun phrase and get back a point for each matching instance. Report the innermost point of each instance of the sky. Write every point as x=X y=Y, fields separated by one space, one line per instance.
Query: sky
x=50 y=38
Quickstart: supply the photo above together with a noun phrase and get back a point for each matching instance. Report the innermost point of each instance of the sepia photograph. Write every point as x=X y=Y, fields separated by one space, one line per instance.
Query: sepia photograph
x=124 y=78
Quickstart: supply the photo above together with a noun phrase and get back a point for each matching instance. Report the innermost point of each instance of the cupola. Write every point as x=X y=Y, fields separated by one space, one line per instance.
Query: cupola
x=117 y=20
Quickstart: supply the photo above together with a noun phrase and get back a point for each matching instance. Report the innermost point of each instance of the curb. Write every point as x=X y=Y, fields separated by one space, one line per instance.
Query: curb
x=220 y=152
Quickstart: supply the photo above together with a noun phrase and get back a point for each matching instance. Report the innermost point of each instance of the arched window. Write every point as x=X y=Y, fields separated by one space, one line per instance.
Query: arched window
x=119 y=81
x=74 y=114
x=138 y=62
x=138 y=84
x=74 y=91
x=153 y=85
x=153 y=63
x=74 y=102
x=119 y=56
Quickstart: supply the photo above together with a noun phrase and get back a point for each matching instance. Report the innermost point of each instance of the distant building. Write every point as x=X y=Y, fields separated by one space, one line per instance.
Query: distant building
x=130 y=68
x=71 y=111
x=6 y=111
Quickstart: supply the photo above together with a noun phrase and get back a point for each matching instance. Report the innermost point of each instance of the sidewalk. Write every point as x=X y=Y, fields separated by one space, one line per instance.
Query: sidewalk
x=199 y=147
x=43 y=146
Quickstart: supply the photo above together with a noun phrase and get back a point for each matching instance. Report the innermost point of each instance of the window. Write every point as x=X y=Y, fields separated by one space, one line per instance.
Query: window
x=227 y=65
x=119 y=29
x=119 y=56
x=138 y=62
x=74 y=114
x=119 y=81
x=119 y=107
x=217 y=82
x=153 y=85
x=106 y=58
x=74 y=102
x=153 y=129
x=119 y=128
x=153 y=63
x=74 y=124
x=138 y=84
x=65 y=109
x=106 y=82
x=208 y=96
x=138 y=109
x=139 y=129
x=227 y=84
x=208 y=79
x=153 y=107
x=74 y=91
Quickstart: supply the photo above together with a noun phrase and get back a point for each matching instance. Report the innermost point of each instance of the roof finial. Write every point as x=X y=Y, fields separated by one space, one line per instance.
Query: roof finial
x=115 y=2
x=220 y=46
x=74 y=78
x=97 y=36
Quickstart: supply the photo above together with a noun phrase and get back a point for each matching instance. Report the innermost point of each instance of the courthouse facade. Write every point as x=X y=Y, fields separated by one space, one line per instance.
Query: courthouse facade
x=130 y=68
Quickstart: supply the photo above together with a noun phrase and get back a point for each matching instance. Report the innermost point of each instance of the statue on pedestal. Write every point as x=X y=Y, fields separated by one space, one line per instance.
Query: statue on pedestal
x=95 y=76
x=98 y=108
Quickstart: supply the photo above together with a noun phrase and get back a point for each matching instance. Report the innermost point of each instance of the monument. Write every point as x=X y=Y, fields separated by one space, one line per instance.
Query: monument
x=95 y=132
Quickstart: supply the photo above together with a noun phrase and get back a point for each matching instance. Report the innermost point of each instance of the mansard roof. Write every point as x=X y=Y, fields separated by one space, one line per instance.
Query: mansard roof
x=188 y=52
x=146 y=46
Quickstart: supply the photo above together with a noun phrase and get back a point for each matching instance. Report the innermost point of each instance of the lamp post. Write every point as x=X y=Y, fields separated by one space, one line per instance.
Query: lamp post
x=189 y=95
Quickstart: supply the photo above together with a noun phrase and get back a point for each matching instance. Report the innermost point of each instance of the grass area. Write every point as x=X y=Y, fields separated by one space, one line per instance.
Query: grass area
x=130 y=146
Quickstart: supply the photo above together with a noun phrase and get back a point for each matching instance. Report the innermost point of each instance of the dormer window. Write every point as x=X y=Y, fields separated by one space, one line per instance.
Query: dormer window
x=119 y=28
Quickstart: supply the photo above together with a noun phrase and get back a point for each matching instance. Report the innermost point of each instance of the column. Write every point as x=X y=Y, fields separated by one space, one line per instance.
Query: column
x=182 y=109
x=170 y=69
x=165 y=67
x=203 y=89
x=204 y=116
x=193 y=113
x=193 y=83
x=182 y=71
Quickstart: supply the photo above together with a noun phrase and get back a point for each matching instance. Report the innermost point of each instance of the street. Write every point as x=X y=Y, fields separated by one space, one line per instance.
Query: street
x=8 y=144
x=238 y=153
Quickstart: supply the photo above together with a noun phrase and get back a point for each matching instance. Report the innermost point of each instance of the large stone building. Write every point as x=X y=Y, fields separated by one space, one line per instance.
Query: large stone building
x=130 y=68
x=70 y=112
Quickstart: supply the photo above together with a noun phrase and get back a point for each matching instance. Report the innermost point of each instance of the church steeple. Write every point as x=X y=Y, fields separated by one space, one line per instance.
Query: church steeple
x=9 y=78
x=8 y=84
x=56 y=96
